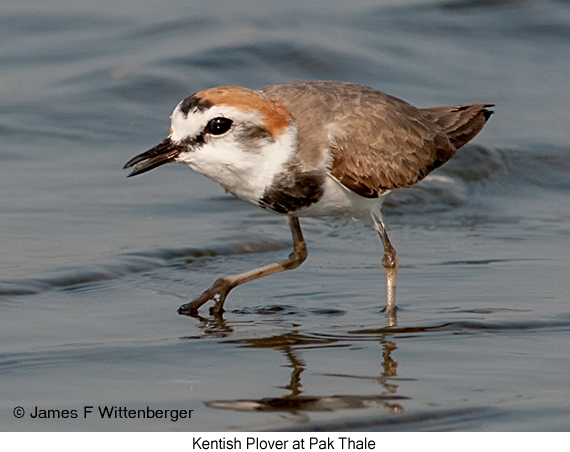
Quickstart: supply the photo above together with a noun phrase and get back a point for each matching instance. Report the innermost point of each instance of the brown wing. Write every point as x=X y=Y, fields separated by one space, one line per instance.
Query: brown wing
x=377 y=142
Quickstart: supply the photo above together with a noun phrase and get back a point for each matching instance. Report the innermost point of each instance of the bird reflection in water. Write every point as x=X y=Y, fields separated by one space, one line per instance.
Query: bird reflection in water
x=291 y=345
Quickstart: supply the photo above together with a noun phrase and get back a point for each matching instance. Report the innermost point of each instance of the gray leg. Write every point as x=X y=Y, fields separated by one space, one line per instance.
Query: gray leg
x=390 y=263
x=221 y=288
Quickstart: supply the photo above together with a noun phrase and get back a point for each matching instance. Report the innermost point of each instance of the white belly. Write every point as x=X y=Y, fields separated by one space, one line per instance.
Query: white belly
x=338 y=200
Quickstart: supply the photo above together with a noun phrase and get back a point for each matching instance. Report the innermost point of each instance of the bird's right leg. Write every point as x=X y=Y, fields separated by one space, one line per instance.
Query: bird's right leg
x=390 y=263
x=221 y=288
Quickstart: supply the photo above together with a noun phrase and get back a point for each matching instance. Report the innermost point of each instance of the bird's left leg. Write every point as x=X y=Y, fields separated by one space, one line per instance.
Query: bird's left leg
x=389 y=261
x=221 y=288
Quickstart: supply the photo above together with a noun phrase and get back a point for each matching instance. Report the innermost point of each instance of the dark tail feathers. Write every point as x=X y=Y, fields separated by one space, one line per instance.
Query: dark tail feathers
x=461 y=122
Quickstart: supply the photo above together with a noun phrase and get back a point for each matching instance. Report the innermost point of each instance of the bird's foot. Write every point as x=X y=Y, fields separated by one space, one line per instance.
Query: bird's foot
x=217 y=293
x=391 y=315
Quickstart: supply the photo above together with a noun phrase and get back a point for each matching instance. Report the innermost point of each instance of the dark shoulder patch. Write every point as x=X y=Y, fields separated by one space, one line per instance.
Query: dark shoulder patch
x=294 y=191
x=194 y=102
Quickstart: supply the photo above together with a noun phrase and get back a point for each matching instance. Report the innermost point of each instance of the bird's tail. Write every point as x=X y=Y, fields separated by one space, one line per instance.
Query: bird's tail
x=461 y=122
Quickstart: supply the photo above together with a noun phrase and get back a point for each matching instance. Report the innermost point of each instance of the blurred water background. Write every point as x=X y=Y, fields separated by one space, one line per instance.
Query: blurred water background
x=94 y=265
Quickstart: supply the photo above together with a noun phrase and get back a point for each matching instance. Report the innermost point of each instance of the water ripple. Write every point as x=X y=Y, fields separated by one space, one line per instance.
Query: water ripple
x=130 y=263
x=436 y=419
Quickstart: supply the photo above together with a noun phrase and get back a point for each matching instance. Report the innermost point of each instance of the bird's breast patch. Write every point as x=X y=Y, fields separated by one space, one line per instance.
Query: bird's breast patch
x=293 y=191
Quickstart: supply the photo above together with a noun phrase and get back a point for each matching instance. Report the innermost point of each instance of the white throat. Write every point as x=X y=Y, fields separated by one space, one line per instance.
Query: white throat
x=246 y=173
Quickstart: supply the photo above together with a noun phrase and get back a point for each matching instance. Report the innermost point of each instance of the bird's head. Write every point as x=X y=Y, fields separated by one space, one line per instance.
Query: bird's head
x=224 y=132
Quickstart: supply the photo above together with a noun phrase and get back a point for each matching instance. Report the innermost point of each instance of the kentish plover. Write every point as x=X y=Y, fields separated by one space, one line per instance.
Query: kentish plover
x=310 y=149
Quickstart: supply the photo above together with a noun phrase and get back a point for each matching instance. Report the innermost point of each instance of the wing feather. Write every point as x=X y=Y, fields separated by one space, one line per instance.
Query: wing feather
x=377 y=142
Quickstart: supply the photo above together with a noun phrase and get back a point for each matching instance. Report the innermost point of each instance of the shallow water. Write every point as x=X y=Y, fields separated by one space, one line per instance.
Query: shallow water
x=94 y=265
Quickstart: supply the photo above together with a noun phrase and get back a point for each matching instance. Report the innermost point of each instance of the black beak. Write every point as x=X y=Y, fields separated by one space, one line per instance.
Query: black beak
x=165 y=152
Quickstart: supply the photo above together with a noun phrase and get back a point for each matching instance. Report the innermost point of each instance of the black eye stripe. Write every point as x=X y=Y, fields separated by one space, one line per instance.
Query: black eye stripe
x=194 y=141
x=218 y=126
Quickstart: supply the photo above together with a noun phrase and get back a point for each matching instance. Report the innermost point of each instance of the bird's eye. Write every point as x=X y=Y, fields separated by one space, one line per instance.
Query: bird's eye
x=218 y=126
